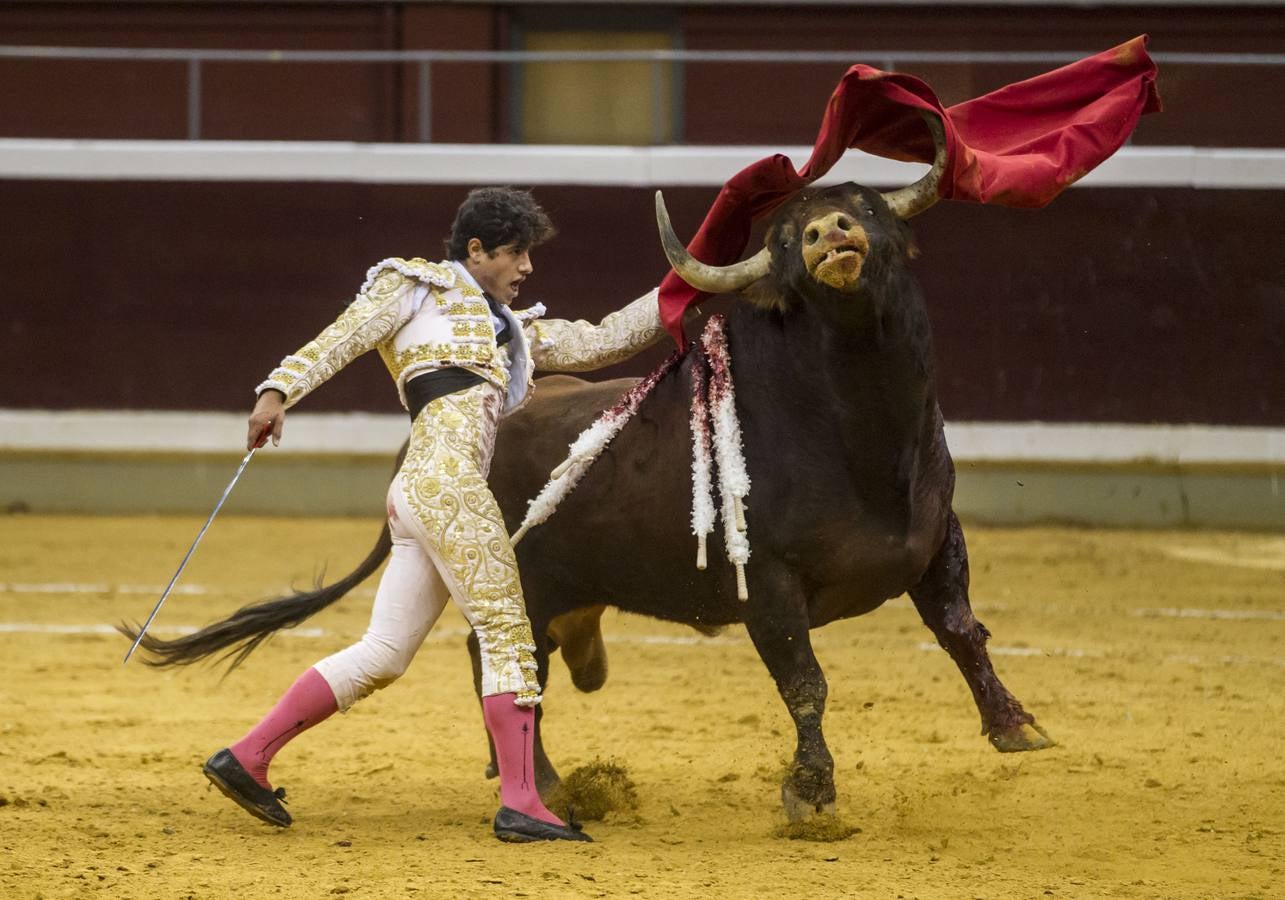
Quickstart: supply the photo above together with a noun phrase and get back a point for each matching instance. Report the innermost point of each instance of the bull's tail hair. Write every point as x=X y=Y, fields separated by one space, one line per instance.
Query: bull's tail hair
x=243 y=631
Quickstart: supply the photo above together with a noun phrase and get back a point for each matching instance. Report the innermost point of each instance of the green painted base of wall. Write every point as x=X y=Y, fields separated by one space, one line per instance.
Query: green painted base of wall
x=1135 y=496
x=997 y=493
x=138 y=483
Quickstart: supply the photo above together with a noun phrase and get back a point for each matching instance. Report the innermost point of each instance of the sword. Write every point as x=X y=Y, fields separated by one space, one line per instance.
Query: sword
x=190 y=550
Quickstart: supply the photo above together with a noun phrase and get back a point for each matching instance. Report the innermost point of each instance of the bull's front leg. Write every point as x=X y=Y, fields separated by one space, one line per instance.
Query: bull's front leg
x=777 y=621
x=546 y=776
x=942 y=600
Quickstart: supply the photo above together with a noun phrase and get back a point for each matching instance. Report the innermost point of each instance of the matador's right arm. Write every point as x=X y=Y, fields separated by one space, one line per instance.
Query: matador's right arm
x=385 y=304
x=558 y=345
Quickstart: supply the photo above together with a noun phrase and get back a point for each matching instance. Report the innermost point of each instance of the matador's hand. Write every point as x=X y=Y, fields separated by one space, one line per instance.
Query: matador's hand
x=267 y=420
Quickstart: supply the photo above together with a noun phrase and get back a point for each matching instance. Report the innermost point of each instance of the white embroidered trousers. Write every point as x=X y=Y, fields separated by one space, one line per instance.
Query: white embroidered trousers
x=449 y=539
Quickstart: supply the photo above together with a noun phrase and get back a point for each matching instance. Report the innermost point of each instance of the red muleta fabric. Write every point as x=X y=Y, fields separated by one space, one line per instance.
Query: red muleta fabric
x=1018 y=146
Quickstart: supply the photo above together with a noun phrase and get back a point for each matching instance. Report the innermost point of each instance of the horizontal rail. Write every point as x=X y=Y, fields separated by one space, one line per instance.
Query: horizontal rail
x=177 y=54
x=72 y=159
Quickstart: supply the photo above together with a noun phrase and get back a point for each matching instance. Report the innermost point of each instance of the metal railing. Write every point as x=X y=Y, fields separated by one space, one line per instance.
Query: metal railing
x=423 y=60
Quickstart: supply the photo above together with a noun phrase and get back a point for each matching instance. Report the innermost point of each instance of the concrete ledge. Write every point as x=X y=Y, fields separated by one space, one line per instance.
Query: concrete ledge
x=1009 y=473
x=468 y=164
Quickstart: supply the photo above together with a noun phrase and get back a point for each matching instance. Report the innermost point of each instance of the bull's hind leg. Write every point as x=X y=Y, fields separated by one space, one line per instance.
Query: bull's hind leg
x=780 y=634
x=942 y=600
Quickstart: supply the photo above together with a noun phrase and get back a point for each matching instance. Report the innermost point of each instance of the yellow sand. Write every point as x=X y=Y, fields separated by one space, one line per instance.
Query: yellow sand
x=1168 y=781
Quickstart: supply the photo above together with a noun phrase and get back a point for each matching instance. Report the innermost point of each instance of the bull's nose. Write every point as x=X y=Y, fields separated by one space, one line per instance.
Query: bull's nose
x=834 y=228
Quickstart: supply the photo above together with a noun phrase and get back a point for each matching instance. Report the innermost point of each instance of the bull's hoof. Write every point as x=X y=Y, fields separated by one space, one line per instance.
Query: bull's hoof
x=1020 y=738
x=797 y=809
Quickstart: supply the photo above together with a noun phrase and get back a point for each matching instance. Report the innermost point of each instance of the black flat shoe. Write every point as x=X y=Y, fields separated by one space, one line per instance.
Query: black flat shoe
x=519 y=828
x=230 y=777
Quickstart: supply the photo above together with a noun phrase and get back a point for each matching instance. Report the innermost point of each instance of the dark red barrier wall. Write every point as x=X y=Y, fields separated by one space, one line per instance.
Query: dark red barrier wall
x=1110 y=305
x=249 y=101
x=1227 y=106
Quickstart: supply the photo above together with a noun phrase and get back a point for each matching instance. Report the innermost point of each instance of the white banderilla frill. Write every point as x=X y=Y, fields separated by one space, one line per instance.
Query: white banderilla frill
x=713 y=401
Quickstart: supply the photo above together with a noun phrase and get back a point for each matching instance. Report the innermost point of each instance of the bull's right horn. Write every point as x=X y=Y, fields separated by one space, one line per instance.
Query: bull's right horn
x=711 y=279
x=912 y=200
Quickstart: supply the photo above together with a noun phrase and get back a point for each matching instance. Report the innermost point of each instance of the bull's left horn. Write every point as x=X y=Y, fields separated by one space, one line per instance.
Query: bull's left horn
x=912 y=200
x=711 y=279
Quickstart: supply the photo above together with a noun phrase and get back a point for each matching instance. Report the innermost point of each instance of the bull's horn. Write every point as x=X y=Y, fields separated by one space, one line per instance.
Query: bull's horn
x=912 y=200
x=711 y=279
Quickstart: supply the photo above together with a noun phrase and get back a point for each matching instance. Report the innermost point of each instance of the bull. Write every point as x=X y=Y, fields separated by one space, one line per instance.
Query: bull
x=852 y=480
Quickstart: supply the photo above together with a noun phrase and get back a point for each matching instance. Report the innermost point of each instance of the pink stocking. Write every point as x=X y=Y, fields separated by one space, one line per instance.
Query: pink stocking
x=308 y=701
x=512 y=731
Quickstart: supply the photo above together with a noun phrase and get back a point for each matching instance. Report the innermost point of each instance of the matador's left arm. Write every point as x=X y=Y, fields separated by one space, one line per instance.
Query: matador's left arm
x=558 y=345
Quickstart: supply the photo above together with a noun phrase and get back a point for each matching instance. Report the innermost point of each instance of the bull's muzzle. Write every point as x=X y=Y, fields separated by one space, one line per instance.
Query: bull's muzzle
x=835 y=247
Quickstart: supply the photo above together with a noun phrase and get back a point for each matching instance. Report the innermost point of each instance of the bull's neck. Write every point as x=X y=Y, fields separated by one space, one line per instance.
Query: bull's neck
x=874 y=359
x=865 y=380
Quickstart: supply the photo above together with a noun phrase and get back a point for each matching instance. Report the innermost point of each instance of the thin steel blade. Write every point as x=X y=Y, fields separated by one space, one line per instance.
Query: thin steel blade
x=190 y=550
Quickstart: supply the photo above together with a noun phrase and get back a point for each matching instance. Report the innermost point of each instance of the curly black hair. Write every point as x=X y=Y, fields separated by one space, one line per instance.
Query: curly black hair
x=498 y=216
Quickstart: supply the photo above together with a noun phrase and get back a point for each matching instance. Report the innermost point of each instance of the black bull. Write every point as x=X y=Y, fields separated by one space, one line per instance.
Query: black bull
x=851 y=493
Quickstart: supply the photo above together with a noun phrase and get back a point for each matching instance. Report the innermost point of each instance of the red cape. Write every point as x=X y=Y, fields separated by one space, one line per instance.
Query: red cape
x=1018 y=146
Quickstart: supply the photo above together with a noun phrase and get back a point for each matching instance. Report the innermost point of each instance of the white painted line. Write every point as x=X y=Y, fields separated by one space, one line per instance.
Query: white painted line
x=676 y=640
x=1000 y=650
x=1227 y=660
x=46 y=628
x=1265 y=553
x=78 y=588
x=148 y=589
x=601 y=166
x=1189 y=659
x=446 y=634
x=1168 y=612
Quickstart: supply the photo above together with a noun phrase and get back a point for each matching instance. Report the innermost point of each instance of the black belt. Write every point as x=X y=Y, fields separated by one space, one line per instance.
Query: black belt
x=424 y=389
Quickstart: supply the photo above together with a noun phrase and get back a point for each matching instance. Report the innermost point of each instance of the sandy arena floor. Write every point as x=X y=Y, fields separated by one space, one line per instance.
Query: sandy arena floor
x=1157 y=659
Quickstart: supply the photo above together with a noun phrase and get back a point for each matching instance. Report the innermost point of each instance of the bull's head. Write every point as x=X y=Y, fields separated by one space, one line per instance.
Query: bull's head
x=825 y=236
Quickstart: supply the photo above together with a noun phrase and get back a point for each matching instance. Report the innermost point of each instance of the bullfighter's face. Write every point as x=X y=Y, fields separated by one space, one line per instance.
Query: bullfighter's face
x=499 y=272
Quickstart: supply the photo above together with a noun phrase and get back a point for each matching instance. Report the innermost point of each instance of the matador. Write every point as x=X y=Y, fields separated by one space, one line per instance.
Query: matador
x=461 y=359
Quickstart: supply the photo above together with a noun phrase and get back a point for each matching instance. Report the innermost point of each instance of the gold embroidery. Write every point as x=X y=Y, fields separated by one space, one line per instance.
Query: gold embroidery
x=385 y=285
x=444 y=480
x=364 y=324
x=459 y=308
x=473 y=329
x=440 y=354
x=563 y=346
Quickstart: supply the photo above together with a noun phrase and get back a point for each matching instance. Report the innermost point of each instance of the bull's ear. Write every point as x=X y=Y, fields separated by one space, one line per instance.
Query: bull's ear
x=908 y=240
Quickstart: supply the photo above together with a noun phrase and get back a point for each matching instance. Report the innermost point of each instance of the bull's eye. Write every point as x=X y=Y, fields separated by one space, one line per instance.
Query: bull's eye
x=844 y=223
x=869 y=210
x=811 y=235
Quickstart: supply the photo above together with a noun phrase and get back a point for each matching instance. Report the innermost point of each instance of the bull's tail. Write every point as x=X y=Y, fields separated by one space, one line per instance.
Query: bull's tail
x=248 y=627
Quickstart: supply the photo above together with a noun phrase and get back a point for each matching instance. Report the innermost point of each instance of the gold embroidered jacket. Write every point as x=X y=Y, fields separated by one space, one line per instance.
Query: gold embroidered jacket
x=422 y=315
